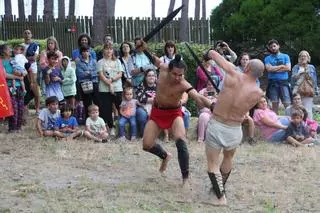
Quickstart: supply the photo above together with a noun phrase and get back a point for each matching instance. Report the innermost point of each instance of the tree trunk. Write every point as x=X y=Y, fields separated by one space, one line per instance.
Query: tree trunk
x=197 y=10
x=48 y=9
x=61 y=9
x=111 y=6
x=21 y=12
x=171 y=6
x=184 y=23
x=99 y=20
x=153 y=9
x=204 y=9
x=34 y=9
x=7 y=9
x=71 y=7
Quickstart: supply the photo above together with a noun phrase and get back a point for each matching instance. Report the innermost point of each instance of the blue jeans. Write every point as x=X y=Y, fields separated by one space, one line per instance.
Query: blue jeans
x=133 y=125
x=279 y=89
x=279 y=136
x=142 y=118
x=186 y=119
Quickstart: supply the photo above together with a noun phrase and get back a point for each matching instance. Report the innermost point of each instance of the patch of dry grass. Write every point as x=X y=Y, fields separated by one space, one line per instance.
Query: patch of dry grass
x=44 y=175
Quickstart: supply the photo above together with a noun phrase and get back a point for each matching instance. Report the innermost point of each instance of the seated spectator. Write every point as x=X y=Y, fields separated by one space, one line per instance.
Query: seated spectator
x=205 y=113
x=48 y=117
x=312 y=125
x=95 y=126
x=297 y=133
x=212 y=70
x=68 y=87
x=53 y=77
x=271 y=125
x=128 y=108
x=66 y=125
x=145 y=94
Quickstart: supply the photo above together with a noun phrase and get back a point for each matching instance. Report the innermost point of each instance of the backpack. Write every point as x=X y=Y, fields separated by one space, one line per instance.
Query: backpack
x=32 y=49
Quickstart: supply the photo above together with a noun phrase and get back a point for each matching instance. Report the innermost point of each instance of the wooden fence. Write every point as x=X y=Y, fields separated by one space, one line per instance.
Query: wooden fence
x=120 y=28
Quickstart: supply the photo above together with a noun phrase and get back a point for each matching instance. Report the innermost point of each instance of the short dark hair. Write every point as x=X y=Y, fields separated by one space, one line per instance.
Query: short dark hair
x=84 y=48
x=51 y=99
x=273 y=41
x=297 y=112
x=177 y=62
x=52 y=54
x=66 y=108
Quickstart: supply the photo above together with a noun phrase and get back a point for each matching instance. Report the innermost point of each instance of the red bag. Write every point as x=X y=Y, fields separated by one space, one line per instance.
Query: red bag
x=6 y=109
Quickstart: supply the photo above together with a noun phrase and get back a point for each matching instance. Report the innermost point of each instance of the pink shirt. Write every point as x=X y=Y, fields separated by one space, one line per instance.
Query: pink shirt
x=267 y=131
x=202 y=77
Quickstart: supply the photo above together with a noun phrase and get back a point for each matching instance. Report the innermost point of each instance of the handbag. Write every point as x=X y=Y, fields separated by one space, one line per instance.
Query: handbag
x=306 y=87
x=87 y=87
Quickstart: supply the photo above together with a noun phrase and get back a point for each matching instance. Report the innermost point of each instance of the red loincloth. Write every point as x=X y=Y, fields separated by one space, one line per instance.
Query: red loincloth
x=5 y=99
x=165 y=117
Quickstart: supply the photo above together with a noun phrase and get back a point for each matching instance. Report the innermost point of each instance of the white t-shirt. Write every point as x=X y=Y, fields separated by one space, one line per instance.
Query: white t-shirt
x=97 y=125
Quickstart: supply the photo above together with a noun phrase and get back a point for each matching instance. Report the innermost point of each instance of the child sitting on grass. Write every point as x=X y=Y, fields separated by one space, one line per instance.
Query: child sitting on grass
x=48 y=116
x=296 y=133
x=67 y=126
x=95 y=125
x=128 y=108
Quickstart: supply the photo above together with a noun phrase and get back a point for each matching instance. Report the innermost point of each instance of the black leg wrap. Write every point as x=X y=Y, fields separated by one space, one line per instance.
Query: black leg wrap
x=183 y=157
x=158 y=151
x=217 y=185
x=225 y=176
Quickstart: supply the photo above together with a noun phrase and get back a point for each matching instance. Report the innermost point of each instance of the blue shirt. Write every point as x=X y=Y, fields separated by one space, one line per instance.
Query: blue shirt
x=53 y=88
x=76 y=54
x=276 y=60
x=82 y=67
x=62 y=123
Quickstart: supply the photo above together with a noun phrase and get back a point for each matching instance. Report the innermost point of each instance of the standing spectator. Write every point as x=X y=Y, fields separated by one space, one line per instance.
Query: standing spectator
x=18 y=65
x=52 y=45
x=83 y=40
x=53 y=78
x=145 y=94
x=142 y=62
x=304 y=81
x=31 y=51
x=110 y=72
x=127 y=62
x=69 y=89
x=243 y=62
x=277 y=65
x=15 y=121
x=128 y=108
x=107 y=40
x=170 y=51
x=223 y=49
x=87 y=77
x=213 y=71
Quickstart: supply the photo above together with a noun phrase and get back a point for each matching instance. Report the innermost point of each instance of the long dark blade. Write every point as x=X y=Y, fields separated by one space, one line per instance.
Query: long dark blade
x=165 y=21
x=202 y=67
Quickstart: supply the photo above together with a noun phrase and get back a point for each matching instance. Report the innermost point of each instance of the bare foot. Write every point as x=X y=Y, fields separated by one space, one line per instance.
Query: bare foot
x=220 y=202
x=165 y=161
x=166 y=139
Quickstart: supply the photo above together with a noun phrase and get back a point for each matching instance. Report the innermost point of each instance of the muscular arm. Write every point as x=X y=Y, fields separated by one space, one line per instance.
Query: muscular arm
x=201 y=100
x=222 y=62
x=281 y=68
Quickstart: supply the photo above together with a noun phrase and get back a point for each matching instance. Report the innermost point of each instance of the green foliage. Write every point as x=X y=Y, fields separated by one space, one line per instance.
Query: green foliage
x=15 y=42
x=251 y=23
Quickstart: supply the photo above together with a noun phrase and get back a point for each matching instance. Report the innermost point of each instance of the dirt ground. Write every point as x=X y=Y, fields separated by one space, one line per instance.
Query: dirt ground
x=44 y=175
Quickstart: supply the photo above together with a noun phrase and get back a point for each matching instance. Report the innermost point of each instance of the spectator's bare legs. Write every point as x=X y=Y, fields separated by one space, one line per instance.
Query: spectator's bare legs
x=151 y=132
x=215 y=174
x=294 y=142
x=179 y=135
x=35 y=89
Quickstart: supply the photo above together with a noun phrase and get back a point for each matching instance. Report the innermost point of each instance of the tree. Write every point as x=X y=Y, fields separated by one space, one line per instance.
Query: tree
x=153 y=9
x=71 y=7
x=111 y=5
x=48 y=9
x=204 y=9
x=171 y=6
x=99 y=20
x=21 y=12
x=183 y=26
x=61 y=9
x=34 y=9
x=197 y=10
x=7 y=9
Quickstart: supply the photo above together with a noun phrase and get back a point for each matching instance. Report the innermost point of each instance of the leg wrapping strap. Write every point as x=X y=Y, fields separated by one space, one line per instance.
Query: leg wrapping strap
x=183 y=157
x=158 y=151
x=217 y=185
